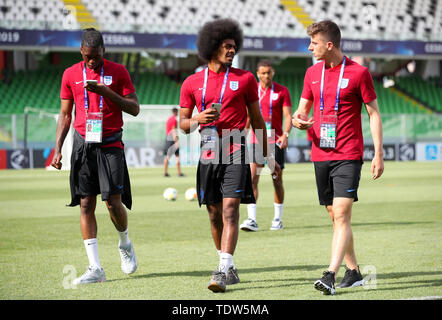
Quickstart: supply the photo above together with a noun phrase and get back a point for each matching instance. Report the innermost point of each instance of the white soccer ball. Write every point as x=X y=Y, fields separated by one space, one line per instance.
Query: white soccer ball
x=191 y=194
x=170 y=194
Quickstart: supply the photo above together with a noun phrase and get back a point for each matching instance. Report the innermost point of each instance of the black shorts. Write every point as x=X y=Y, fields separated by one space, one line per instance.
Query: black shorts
x=227 y=175
x=98 y=169
x=109 y=180
x=170 y=149
x=337 y=179
x=257 y=155
x=218 y=181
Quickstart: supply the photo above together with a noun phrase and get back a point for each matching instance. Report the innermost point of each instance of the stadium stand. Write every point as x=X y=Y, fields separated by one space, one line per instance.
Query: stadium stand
x=358 y=19
x=428 y=92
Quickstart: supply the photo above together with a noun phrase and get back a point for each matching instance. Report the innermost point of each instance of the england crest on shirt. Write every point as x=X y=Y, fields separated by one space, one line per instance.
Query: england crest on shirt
x=234 y=85
x=107 y=80
x=344 y=83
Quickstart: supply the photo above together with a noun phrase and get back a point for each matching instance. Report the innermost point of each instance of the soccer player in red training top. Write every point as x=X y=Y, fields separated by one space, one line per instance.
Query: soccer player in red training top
x=98 y=163
x=223 y=96
x=337 y=87
x=274 y=103
x=172 y=146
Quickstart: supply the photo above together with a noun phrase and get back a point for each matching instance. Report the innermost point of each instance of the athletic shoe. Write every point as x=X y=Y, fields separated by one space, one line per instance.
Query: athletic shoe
x=249 y=225
x=276 y=225
x=327 y=283
x=352 y=278
x=92 y=275
x=166 y=175
x=129 y=262
x=232 y=276
x=218 y=281
x=181 y=175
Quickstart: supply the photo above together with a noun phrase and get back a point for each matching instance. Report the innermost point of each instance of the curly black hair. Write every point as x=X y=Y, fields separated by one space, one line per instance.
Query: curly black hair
x=213 y=33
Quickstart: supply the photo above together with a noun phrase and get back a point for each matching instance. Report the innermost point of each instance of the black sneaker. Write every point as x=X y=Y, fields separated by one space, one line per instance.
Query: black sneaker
x=327 y=283
x=352 y=278
x=218 y=282
x=232 y=276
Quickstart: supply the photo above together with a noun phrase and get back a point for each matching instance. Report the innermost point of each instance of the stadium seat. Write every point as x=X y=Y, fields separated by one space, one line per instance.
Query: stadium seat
x=359 y=19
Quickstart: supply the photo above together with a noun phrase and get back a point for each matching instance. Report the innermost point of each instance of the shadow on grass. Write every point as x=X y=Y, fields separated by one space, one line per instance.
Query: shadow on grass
x=207 y=273
x=382 y=285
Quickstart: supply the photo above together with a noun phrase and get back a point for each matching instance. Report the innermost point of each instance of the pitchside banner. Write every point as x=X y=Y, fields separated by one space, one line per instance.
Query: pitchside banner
x=10 y=38
x=154 y=156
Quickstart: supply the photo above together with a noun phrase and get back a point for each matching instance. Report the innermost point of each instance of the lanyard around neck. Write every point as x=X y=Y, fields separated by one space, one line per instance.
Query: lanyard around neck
x=86 y=99
x=270 y=102
x=206 y=77
x=341 y=74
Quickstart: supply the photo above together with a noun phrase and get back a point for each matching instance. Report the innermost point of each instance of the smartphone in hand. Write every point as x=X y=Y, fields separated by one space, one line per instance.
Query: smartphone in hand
x=217 y=106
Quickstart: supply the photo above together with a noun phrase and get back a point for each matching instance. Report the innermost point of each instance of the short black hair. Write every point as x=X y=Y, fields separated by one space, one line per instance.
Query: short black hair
x=213 y=33
x=92 y=38
x=264 y=63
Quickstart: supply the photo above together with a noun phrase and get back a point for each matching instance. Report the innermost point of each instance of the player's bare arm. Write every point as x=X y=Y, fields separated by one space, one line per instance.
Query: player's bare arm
x=257 y=122
x=188 y=123
x=300 y=118
x=63 y=125
x=377 y=164
x=283 y=139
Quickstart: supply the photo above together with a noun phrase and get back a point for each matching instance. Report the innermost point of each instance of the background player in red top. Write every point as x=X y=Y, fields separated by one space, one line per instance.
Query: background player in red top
x=278 y=97
x=98 y=163
x=223 y=178
x=337 y=141
x=172 y=146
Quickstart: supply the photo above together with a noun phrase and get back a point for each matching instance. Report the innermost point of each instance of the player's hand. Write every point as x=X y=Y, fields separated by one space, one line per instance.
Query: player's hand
x=377 y=167
x=302 y=121
x=282 y=142
x=207 y=116
x=56 y=161
x=98 y=88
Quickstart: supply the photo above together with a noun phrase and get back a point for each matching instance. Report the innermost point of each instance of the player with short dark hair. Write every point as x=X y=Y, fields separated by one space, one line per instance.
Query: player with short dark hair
x=223 y=96
x=336 y=88
x=276 y=108
x=101 y=90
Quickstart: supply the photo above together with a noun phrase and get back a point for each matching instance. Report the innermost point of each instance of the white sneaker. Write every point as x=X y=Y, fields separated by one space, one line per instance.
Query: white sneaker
x=129 y=262
x=93 y=274
x=276 y=225
x=249 y=225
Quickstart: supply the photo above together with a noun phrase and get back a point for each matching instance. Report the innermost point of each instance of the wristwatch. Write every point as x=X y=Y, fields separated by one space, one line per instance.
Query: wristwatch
x=286 y=134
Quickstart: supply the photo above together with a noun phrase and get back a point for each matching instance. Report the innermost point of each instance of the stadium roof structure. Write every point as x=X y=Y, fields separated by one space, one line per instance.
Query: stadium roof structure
x=272 y=27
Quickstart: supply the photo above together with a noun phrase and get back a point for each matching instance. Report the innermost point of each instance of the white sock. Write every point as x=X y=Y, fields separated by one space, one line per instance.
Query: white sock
x=278 y=211
x=91 y=246
x=251 y=211
x=225 y=262
x=219 y=252
x=124 y=238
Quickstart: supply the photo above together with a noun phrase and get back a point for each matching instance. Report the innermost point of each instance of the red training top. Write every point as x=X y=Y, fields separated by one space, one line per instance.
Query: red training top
x=241 y=90
x=171 y=124
x=115 y=76
x=357 y=88
x=280 y=99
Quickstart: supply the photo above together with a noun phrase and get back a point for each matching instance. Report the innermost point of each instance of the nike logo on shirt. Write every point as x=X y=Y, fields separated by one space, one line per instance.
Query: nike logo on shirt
x=78 y=82
x=315 y=82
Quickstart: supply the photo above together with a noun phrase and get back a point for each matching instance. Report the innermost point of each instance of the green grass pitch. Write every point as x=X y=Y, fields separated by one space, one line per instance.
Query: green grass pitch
x=397 y=226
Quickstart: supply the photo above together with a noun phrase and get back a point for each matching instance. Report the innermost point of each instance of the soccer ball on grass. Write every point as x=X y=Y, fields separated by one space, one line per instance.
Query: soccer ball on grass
x=170 y=194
